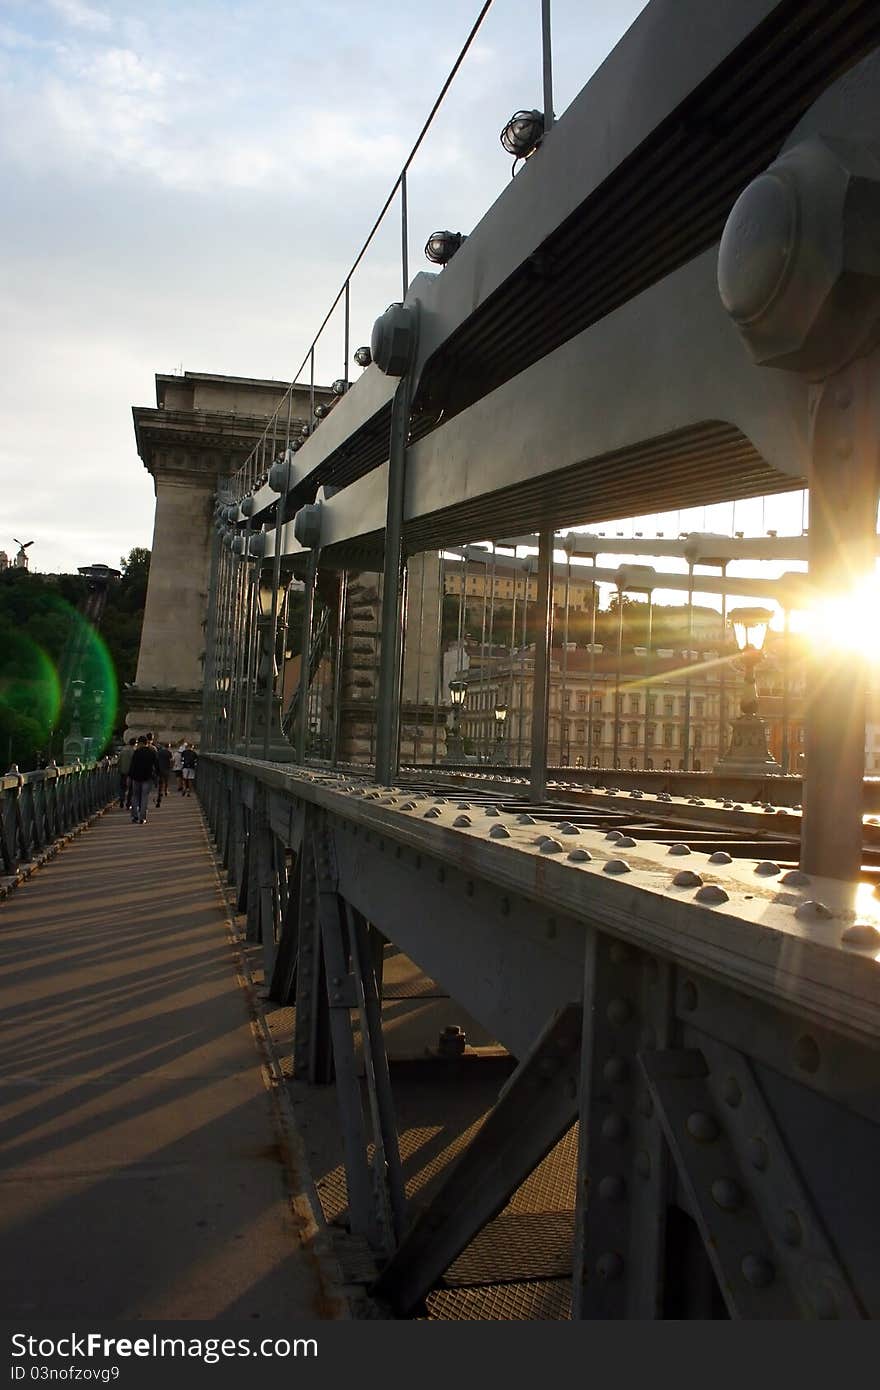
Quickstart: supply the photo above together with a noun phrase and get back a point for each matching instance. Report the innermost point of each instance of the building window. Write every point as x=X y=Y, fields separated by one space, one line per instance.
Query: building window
x=668 y=704
x=597 y=733
x=565 y=728
x=634 y=703
x=580 y=732
x=652 y=704
x=634 y=735
x=650 y=735
x=668 y=735
x=582 y=702
x=699 y=707
x=597 y=704
x=698 y=738
x=568 y=699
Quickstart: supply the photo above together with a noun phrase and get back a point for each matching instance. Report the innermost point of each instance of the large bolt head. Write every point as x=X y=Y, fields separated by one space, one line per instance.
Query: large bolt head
x=307 y=525
x=799 y=260
x=393 y=341
x=280 y=477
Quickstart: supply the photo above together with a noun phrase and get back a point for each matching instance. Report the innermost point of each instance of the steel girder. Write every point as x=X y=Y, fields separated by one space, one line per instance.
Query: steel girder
x=726 y=1083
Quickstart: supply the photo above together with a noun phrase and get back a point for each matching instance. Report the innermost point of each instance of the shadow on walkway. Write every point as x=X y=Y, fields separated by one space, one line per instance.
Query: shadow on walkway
x=142 y=1172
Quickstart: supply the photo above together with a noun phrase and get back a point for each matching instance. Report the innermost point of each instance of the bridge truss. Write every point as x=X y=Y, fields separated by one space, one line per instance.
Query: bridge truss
x=682 y=312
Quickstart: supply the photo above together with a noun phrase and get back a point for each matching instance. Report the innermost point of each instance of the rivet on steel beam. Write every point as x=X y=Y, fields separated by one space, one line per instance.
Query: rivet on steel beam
x=807 y=1054
x=491 y=811
x=432 y=814
x=566 y=828
x=462 y=820
x=679 y=849
x=609 y=1265
x=526 y=819
x=616 y=1070
x=720 y=857
x=702 y=1127
x=408 y=806
x=757 y=1271
x=767 y=868
x=464 y=806
x=550 y=846
x=792 y=1230
x=614 y=835
x=795 y=878
x=727 y=1194
x=687 y=879
x=861 y=934
x=579 y=856
x=612 y=1188
x=758 y=1155
x=619 y=1012
x=615 y=1128
x=616 y=866
x=499 y=832
x=711 y=893
x=695 y=801
x=811 y=910
x=626 y=842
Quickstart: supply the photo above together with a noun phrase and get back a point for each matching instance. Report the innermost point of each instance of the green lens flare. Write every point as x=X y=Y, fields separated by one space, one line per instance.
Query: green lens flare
x=30 y=693
x=92 y=664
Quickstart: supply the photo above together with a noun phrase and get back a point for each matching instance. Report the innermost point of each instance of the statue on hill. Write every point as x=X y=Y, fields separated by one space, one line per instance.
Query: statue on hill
x=21 y=559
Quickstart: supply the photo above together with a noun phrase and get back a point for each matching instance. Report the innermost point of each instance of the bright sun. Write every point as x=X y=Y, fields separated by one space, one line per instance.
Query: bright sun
x=848 y=622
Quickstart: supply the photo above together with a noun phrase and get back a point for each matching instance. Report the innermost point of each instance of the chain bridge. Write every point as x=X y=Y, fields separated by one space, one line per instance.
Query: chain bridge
x=575 y=1026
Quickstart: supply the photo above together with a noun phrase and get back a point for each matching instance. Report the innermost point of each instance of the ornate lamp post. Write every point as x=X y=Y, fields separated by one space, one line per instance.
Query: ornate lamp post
x=500 y=725
x=748 y=753
x=73 y=744
x=268 y=705
x=454 y=742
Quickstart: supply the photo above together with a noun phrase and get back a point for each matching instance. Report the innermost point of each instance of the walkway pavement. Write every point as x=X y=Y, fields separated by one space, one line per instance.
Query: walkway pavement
x=145 y=1171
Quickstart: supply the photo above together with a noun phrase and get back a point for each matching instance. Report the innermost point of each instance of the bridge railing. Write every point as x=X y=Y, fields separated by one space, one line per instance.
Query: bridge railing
x=38 y=808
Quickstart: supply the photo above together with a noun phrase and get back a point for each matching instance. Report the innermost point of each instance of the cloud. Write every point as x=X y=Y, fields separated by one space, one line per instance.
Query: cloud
x=80 y=16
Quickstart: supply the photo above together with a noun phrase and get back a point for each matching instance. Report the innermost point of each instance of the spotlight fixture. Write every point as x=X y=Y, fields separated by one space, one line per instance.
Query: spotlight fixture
x=363 y=356
x=296 y=444
x=305 y=431
x=321 y=411
x=442 y=246
x=340 y=386
x=523 y=133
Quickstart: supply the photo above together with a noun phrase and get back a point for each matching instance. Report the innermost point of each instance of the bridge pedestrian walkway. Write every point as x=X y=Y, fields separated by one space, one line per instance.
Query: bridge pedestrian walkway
x=145 y=1167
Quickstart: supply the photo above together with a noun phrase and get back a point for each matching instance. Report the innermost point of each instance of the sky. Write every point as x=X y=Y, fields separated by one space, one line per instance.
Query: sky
x=185 y=186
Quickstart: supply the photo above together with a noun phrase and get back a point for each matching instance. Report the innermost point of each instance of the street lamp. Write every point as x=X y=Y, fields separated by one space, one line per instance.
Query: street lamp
x=268 y=707
x=748 y=753
x=500 y=723
x=454 y=743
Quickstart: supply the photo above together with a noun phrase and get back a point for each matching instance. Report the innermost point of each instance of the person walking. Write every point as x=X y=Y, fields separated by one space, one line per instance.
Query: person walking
x=163 y=754
x=143 y=772
x=177 y=766
x=188 y=758
x=123 y=764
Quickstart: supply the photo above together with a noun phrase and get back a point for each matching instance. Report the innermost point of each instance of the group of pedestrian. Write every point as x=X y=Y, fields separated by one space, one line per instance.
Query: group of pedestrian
x=145 y=766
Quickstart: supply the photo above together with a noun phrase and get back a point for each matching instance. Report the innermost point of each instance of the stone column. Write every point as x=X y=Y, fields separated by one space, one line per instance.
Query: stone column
x=167 y=696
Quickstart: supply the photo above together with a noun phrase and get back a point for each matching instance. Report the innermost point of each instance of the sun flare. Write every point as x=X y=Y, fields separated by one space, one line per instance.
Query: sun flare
x=848 y=623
